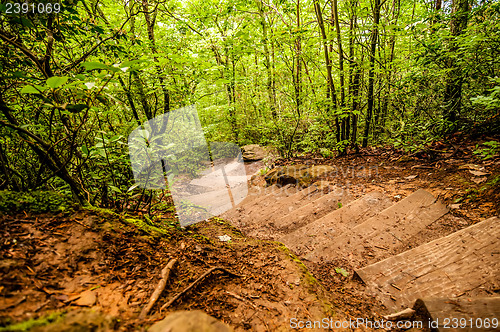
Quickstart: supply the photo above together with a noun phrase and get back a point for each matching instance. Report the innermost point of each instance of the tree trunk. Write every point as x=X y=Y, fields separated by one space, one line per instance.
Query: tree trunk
x=335 y=14
x=371 y=72
x=392 y=43
x=354 y=75
x=150 y=23
x=298 y=64
x=453 y=91
x=267 y=58
x=330 y=92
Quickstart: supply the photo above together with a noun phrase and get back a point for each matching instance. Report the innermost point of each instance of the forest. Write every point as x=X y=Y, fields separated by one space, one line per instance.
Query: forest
x=317 y=77
x=312 y=80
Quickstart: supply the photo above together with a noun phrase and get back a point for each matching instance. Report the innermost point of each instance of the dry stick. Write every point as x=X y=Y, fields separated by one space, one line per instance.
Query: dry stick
x=165 y=273
x=405 y=314
x=203 y=276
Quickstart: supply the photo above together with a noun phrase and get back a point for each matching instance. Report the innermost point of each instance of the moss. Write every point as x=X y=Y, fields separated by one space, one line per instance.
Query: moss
x=310 y=281
x=35 y=202
x=29 y=324
x=145 y=227
x=107 y=213
x=306 y=277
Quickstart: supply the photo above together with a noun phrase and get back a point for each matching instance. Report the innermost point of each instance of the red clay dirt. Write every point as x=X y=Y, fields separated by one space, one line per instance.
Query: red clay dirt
x=88 y=259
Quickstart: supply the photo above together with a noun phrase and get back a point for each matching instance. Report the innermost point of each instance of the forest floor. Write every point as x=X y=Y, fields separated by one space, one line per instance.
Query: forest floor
x=96 y=270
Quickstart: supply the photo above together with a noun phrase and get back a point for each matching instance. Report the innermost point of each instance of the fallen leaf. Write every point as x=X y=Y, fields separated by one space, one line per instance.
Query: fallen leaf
x=470 y=167
x=87 y=299
x=224 y=238
x=411 y=177
x=478 y=173
x=478 y=180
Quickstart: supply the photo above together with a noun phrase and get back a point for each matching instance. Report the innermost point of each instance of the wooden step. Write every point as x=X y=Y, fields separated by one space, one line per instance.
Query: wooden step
x=255 y=194
x=319 y=233
x=377 y=237
x=291 y=203
x=451 y=266
x=459 y=314
x=309 y=212
x=239 y=215
x=259 y=220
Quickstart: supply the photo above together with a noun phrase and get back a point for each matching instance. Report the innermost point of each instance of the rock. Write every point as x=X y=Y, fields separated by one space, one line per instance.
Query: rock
x=253 y=152
x=78 y=320
x=282 y=176
x=300 y=175
x=320 y=170
x=189 y=321
x=87 y=299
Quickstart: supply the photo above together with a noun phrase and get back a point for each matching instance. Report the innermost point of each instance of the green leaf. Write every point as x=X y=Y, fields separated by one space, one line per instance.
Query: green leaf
x=85 y=150
x=97 y=65
x=30 y=89
x=56 y=81
x=341 y=271
x=76 y=108
x=94 y=65
x=115 y=189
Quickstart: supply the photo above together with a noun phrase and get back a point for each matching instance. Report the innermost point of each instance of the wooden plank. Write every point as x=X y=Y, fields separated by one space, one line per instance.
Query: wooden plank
x=459 y=314
x=376 y=237
x=449 y=266
x=318 y=233
x=309 y=212
x=255 y=197
x=262 y=217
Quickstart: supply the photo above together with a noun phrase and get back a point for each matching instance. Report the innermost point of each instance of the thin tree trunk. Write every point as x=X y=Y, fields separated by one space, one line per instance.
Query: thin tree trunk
x=150 y=23
x=453 y=91
x=330 y=92
x=267 y=58
x=371 y=72
x=345 y=121
x=354 y=74
x=392 y=44
x=298 y=64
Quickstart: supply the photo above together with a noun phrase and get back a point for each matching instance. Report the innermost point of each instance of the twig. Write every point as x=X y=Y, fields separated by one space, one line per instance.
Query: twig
x=165 y=273
x=203 y=276
x=236 y=296
x=405 y=314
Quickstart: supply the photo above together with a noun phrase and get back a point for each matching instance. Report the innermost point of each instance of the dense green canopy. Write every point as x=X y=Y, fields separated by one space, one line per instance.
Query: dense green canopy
x=304 y=76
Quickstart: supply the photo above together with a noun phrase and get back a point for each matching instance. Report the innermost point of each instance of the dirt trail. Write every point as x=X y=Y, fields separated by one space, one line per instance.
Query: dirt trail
x=65 y=264
x=54 y=266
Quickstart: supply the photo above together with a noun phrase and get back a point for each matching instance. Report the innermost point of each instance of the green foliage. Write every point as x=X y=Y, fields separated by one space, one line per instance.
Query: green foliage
x=491 y=149
x=32 y=323
x=341 y=271
x=34 y=201
x=491 y=101
x=80 y=82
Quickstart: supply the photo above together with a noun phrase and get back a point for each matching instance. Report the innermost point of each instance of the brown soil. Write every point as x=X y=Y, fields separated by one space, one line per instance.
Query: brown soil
x=51 y=263
x=449 y=176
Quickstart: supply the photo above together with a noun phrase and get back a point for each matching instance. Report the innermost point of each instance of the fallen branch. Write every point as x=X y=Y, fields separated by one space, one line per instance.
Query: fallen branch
x=165 y=273
x=194 y=283
x=405 y=314
x=236 y=296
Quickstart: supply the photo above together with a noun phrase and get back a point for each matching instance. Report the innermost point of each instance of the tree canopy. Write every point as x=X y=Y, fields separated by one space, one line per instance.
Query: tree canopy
x=310 y=76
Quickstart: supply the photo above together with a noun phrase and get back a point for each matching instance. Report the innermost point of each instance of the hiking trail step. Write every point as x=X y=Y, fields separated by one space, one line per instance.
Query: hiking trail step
x=449 y=266
x=370 y=240
x=318 y=234
x=462 y=314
